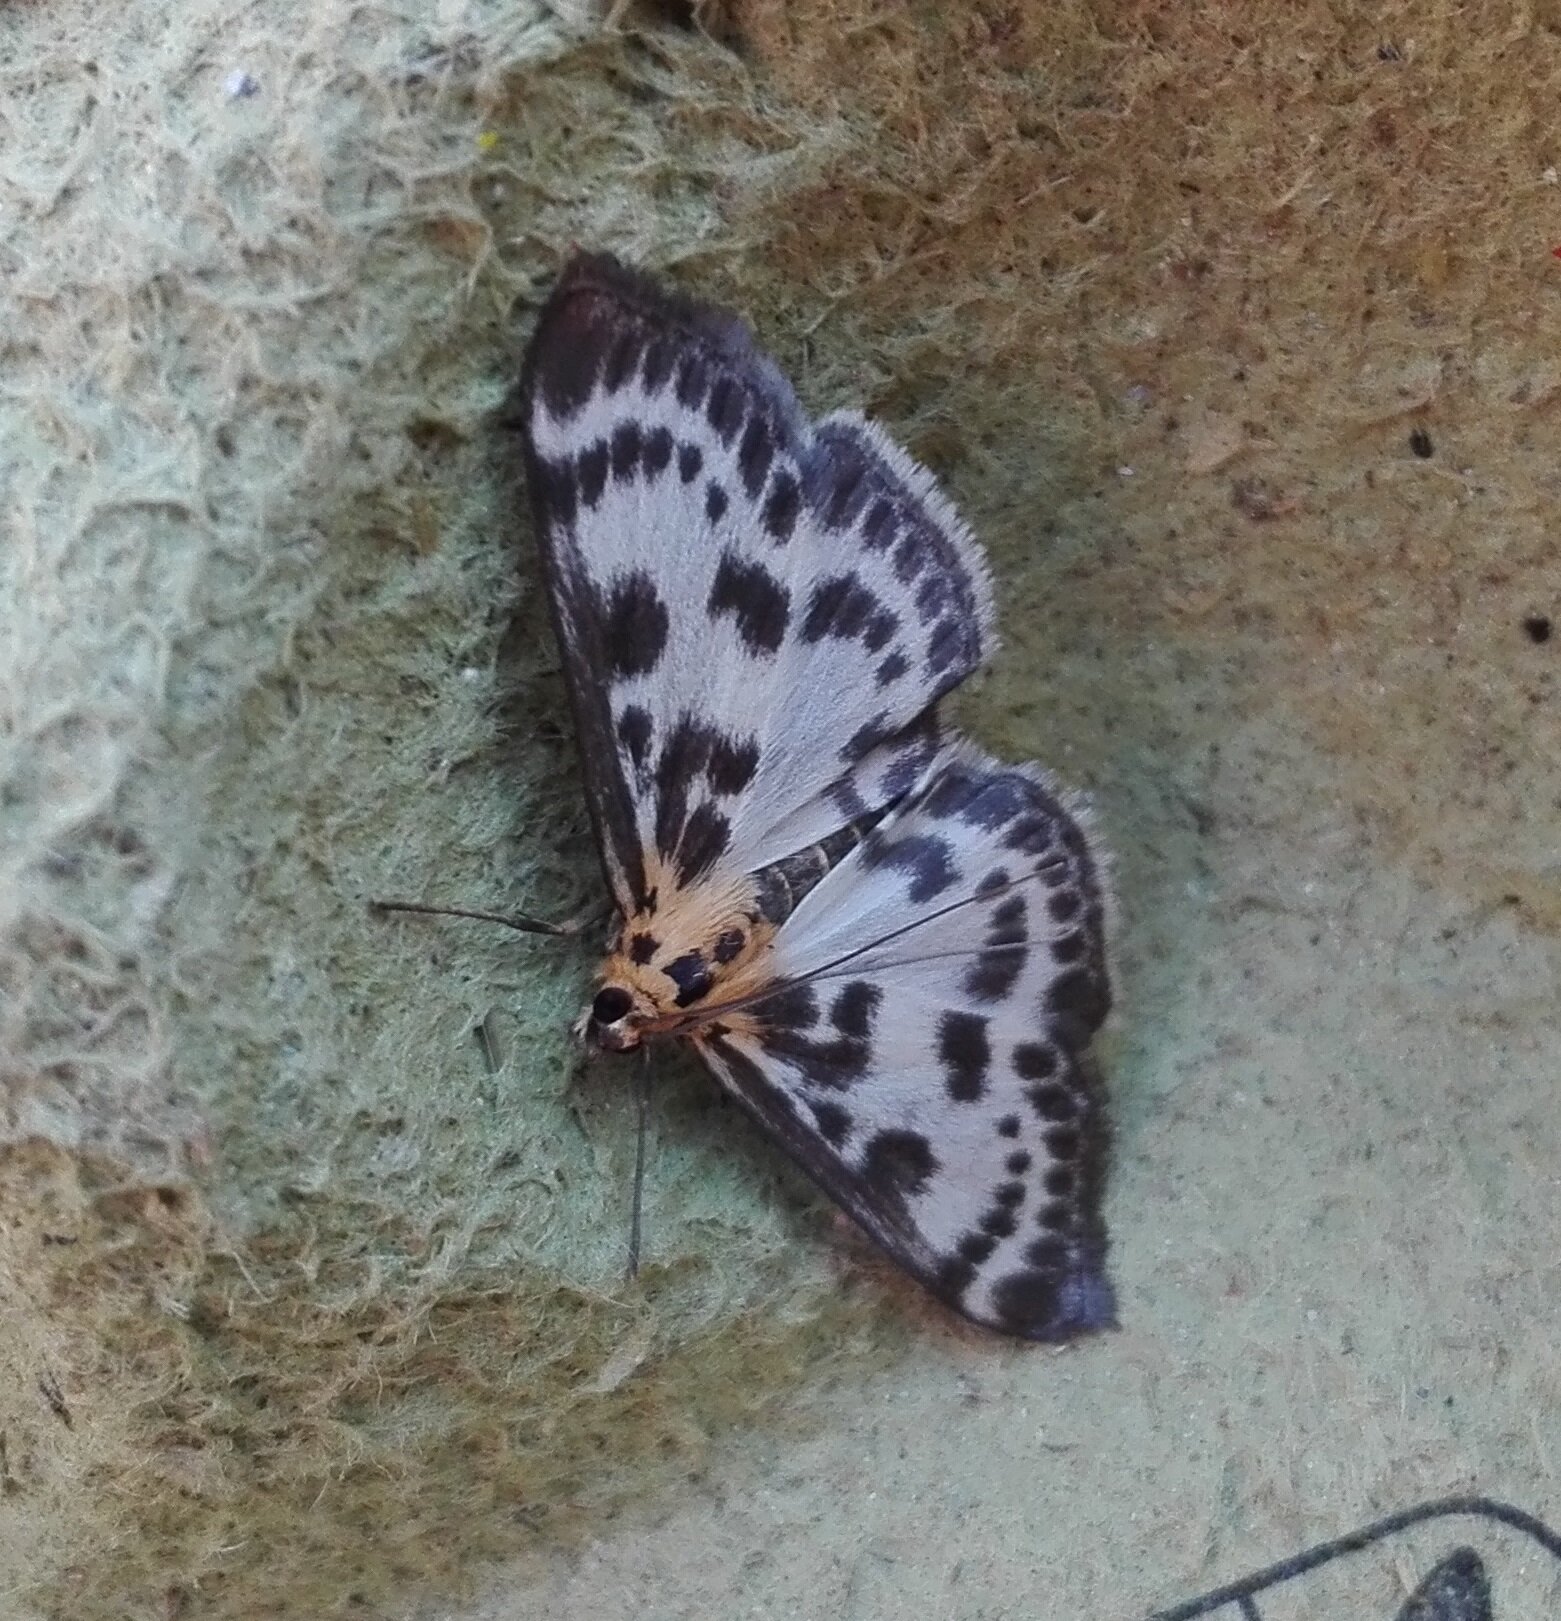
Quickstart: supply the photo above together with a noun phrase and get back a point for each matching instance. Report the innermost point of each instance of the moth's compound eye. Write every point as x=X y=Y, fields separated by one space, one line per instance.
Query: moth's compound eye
x=611 y=1003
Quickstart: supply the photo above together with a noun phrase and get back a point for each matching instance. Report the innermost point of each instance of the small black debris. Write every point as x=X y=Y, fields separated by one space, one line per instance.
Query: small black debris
x=1420 y=443
x=1537 y=628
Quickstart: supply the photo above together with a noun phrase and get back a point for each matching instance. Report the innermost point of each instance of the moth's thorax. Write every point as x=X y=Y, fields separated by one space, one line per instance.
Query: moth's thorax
x=707 y=945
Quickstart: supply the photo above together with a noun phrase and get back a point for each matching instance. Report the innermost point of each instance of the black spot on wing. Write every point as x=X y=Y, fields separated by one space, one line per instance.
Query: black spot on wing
x=844 y=608
x=965 y=1053
x=980 y=797
x=879 y=526
x=1033 y=835
x=553 y=491
x=724 y=409
x=834 y=1122
x=1065 y=905
x=642 y=947
x=707 y=835
x=626 y=445
x=691 y=380
x=837 y=1060
x=657 y=368
x=781 y=506
x=591 y=473
x=867 y=737
x=892 y=668
x=898 y=1165
x=995 y=972
x=1060 y=1294
x=634 y=733
x=656 y=452
x=634 y=625
x=756 y=600
x=732 y=764
x=690 y=459
x=1053 y=1101
x=1034 y=1061
x=910 y=556
x=716 y=502
x=754 y=456
x=951 y=645
x=694 y=835
x=853 y=1008
x=794 y=1008
x=1080 y=998
x=926 y=860
x=933 y=597
x=1062 y=1142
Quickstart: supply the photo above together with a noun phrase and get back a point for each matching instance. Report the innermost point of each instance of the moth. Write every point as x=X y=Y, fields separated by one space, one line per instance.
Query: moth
x=887 y=947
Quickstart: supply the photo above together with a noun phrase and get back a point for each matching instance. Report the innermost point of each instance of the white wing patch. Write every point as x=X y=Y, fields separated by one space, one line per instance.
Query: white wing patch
x=757 y=610
x=758 y=616
x=927 y=1061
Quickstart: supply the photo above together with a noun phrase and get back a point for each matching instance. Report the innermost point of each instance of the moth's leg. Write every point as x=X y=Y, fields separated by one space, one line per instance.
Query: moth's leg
x=522 y=925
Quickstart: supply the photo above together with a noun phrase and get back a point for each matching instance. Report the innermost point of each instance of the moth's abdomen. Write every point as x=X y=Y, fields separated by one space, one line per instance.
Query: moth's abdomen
x=779 y=889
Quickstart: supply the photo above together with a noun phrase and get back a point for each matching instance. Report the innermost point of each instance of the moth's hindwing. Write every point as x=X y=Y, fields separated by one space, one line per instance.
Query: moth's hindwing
x=756 y=612
x=927 y=1062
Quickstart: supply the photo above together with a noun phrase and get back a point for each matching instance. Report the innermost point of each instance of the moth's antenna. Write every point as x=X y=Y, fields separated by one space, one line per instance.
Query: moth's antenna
x=642 y=1106
x=522 y=925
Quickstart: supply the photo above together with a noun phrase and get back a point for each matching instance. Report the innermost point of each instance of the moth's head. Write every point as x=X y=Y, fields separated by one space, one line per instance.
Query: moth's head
x=615 y=1020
